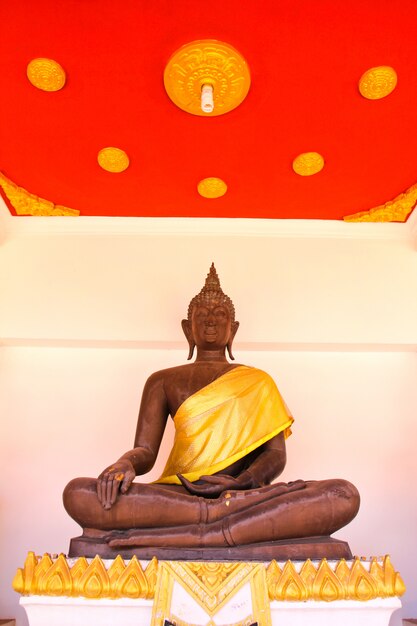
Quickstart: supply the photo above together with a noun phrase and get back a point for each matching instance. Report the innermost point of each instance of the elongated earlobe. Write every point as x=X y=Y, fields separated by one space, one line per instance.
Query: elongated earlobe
x=229 y=350
x=186 y=327
x=235 y=326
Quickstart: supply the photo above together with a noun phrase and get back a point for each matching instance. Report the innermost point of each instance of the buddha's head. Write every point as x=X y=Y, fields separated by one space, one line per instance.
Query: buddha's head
x=211 y=320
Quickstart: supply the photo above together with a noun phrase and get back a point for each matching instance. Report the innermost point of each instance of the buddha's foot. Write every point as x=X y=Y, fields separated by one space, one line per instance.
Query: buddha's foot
x=192 y=536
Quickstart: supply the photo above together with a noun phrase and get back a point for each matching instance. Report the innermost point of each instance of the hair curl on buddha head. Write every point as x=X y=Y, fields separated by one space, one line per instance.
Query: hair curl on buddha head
x=212 y=292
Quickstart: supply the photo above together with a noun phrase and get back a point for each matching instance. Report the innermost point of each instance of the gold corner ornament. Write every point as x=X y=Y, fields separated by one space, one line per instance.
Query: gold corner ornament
x=209 y=583
x=212 y=187
x=26 y=203
x=113 y=160
x=378 y=82
x=46 y=74
x=207 y=62
x=396 y=210
x=308 y=163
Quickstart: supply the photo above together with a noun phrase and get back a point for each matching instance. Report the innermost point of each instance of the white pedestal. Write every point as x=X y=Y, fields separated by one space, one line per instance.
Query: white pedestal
x=340 y=613
x=62 y=611
x=49 y=611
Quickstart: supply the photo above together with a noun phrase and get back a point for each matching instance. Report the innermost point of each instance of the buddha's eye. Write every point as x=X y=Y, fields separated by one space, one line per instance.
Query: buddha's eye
x=201 y=313
x=220 y=313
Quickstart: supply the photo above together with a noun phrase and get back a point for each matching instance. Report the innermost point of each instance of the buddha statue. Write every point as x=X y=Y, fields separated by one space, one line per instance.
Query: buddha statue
x=215 y=498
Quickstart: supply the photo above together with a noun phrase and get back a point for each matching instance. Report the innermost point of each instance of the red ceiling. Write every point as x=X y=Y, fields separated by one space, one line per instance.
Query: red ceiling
x=305 y=58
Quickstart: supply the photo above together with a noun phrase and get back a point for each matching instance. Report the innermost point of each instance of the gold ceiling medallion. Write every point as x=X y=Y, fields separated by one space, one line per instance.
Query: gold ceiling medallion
x=113 y=160
x=207 y=77
x=26 y=203
x=46 y=74
x=308 y=163
x=212 y=187
x=396 y=210
x=378 y=82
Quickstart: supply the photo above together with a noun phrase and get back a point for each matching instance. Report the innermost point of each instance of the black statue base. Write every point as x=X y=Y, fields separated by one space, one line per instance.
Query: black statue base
x=291 y=549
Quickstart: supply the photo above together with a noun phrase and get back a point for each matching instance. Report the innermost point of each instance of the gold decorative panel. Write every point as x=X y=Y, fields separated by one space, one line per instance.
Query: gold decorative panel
x=26 y=203
x=113 y=159
x=308 y=163
x=212 y=187
x=207 y=62
x=211 y=585
x=396 y=210
x=46 y=74
x=378 y=82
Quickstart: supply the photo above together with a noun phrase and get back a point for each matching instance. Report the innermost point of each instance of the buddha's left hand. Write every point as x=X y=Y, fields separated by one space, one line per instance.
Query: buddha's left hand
x=215 y=485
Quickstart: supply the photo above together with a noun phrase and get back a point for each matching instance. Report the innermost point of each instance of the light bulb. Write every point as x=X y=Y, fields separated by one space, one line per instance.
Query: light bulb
x=207 y=102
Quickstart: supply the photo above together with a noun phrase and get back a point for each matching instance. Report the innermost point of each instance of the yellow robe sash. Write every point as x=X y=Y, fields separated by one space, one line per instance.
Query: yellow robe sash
x=223 y=422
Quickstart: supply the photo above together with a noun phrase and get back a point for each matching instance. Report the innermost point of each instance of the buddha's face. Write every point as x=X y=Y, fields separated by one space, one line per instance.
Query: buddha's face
x=211 y=325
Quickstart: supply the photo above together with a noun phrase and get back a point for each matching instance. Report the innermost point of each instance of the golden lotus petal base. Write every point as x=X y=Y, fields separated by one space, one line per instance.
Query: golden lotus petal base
x=207 y=62
x=212 y=187
x=396 y=210
x=113 y=160
x=209 y=583
x=378 y=82
x=308 y=163
x=46 y=74
x=26 y=203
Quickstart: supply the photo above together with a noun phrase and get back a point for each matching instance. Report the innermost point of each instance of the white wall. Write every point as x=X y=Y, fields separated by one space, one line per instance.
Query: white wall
x=85 y=318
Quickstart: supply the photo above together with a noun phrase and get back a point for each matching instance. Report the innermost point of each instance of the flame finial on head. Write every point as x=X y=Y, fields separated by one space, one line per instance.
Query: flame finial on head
x=212 y=291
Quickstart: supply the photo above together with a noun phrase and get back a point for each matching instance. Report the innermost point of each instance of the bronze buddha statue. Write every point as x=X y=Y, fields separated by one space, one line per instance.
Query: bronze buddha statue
x=214 y=499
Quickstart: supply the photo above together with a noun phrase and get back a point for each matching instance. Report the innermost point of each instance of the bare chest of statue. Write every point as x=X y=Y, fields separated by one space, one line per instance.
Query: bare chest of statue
x=182 y=382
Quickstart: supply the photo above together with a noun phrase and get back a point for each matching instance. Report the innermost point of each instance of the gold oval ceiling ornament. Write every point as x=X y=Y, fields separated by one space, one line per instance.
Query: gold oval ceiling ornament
x=212 y=187
x=202 y=63
x=308 y=163
x=378 y=82
x=46 y=74
x=113 y=160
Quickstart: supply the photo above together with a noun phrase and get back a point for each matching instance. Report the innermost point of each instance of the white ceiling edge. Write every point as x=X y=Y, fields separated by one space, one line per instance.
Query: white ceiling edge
x=244 y=346
x=16 y=226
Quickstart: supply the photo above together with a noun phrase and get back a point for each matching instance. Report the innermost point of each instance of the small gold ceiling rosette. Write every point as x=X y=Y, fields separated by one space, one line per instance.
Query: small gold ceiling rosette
x=46 y=74
x=212 y=187
x=308 y=163
x=207 y=62
x=113 y=160
x=378 y=82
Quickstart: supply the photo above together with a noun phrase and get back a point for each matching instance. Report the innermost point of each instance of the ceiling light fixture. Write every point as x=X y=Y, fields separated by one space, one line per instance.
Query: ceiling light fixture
x=207 y=78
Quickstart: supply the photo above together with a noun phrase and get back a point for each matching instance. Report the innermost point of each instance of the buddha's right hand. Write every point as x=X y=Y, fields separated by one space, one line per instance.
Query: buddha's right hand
x=115 y=478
